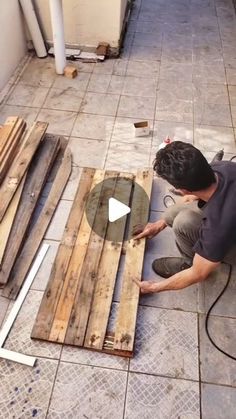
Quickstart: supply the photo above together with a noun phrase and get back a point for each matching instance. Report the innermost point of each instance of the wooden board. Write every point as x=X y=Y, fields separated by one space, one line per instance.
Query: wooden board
x=6 y=132
x=38 y=231
x=36 y=178
x=77 y=303
x=8 y=220
x=20 y=165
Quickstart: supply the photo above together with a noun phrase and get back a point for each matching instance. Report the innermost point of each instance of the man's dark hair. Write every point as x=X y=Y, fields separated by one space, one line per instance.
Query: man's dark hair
x=183 y=166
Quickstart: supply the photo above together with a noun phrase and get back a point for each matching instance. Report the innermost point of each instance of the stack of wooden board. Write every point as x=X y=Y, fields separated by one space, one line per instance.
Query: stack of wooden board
x=27 y=158
x=77 y=302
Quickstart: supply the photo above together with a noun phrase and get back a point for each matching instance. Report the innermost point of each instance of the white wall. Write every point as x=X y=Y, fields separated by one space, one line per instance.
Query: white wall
x=12 y=39
x=87 y=22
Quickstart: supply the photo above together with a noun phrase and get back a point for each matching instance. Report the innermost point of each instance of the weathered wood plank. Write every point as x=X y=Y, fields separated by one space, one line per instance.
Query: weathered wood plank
x=107 y=271
x=8 y=220
x=72 y=283
x=127 y=312
x=35 y=180
x=88 y=276
x=46 y=313
x=6 y=131
x=20 y=165
x=36 y=235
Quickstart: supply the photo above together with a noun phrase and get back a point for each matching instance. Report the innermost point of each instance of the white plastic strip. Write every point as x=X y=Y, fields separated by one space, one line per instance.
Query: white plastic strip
x=19 y=301
x=17 y=357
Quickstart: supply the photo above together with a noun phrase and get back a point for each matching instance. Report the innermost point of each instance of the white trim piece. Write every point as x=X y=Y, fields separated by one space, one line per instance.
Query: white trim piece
x=16 y=307
x=17 y=357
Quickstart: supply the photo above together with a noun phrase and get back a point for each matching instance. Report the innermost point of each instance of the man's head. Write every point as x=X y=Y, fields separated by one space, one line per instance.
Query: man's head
x=184 y=167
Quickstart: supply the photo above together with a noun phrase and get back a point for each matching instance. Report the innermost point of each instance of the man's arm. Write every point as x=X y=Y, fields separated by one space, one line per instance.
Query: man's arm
x=198 y=272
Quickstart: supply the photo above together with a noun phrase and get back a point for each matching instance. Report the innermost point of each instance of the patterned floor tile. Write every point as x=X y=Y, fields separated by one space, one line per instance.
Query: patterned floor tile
x=87 y=392
x=57 y=225
x=72 y=184
x=136 y=107
x=88 y=153
x=161 y=398
x=218 y=402
x=24 y=95
x=25 y=391
x=43 y=274
x=39 y=73
x=4 y=302
x=209 y=138
x=124 y=132
x=166 y=343
x=215 y=366
x=19 y=338
x=100 y=104
x=60 y=122
x=94 y=127
x=29 y=114
x=67 y=99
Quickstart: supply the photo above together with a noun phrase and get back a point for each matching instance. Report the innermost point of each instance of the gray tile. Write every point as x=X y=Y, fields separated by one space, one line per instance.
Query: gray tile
x=230 y=75
x=19 y=337
x=166 y=343
x=60 y=122
x=178 y=55
x=176 y=131
x=84 y=391
x=57 y=225
x=80 y=82
x=143 y=68
x=173 y=89
x=24 y=95
x=118 y=156
x=72 y=184
x=105 y=67
x=176 y=110
x=148 y=53
x=116 y=84
x=99 y=83
x=216 y=94
x=88 y=153
x=100 y=104
x=213 y=138
x=175 y=71
x=25 y=391
x=212 y=114
x=93 y=358
x=43 y=274
x=139 y=86
x=161 y=398
x=147 y=39
x=218 y=402
x=4 y=302
x=67 y=99
x=84 y=67
x=39 y=73
x=29 y=114
x=232 y=95
x=211 y=73
x=136 y=107
x=215 y=366
x=233 y=112
x=124 y=132
x=120 y=67
x=95 y=127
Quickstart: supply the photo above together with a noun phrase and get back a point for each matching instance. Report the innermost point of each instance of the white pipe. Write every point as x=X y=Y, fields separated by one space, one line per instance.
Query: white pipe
x=34 y=29
x=56 y=11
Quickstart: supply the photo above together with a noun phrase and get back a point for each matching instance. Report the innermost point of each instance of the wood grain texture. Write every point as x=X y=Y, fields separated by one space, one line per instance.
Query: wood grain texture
x=127 y=312
x=72 y=279
x=8 y=220
x=107 y=271
x=20 y=165
x=51 y=298
x=38 y=231
x=35 y=180
x=6 y=132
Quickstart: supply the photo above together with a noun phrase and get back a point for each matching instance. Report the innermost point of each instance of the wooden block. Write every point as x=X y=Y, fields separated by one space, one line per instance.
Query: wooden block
x=70 y=72
x=102 y=48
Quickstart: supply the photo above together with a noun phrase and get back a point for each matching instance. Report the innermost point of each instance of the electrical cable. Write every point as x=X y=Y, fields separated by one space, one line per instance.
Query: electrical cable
x=208 y=315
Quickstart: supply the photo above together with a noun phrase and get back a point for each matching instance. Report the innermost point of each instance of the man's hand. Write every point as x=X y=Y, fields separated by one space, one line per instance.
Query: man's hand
x=150 y=230
x=146 y=287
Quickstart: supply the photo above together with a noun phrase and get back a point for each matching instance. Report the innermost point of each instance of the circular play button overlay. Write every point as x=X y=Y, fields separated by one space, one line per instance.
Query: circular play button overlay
x=114 y=206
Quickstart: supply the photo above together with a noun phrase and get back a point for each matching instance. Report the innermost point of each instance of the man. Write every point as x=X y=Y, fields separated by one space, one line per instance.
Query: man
x=204 y=224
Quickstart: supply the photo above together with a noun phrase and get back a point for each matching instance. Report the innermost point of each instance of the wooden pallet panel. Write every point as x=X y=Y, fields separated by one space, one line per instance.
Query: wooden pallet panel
x=8 y=220
x=6 y=131
x=125 y=326
x=20 y=165
x=81 y=302
x=35 y=180
x=54 y=290
x=38 y=231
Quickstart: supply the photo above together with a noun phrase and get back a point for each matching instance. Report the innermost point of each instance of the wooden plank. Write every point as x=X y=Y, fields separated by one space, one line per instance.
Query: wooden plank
x=107 y=271
x=17 y=357
x=12 y=147
x=71 y=283
x=36 y=235
x=46 y=313
x=127 y=312
x=20 y=165
x=88 y=276
x=8 y=219
x=35 y=180
x=6 y=131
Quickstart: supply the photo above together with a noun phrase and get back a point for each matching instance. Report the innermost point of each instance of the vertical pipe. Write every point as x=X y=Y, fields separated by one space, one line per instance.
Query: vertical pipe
x=34 y=29
x=56 y=11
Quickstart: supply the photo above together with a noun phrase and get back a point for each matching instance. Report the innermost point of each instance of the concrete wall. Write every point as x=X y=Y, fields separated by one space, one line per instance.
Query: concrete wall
x=12 y=39
x=86 y=21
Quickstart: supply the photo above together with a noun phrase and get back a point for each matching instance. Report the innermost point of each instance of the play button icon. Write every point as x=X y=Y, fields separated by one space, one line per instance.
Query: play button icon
x=116 y=210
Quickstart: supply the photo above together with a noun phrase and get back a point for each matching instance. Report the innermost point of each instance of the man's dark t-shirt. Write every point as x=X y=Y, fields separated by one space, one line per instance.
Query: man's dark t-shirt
x=218 y=228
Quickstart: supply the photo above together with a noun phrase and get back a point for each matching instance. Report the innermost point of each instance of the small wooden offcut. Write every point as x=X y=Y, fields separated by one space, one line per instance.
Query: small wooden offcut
x=76 y=305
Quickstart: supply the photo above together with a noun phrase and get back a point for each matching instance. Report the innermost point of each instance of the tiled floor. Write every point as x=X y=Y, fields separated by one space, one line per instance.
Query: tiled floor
x=178 y=70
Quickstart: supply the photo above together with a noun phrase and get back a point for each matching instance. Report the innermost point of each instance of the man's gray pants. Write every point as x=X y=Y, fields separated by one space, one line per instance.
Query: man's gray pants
x=185 y=220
